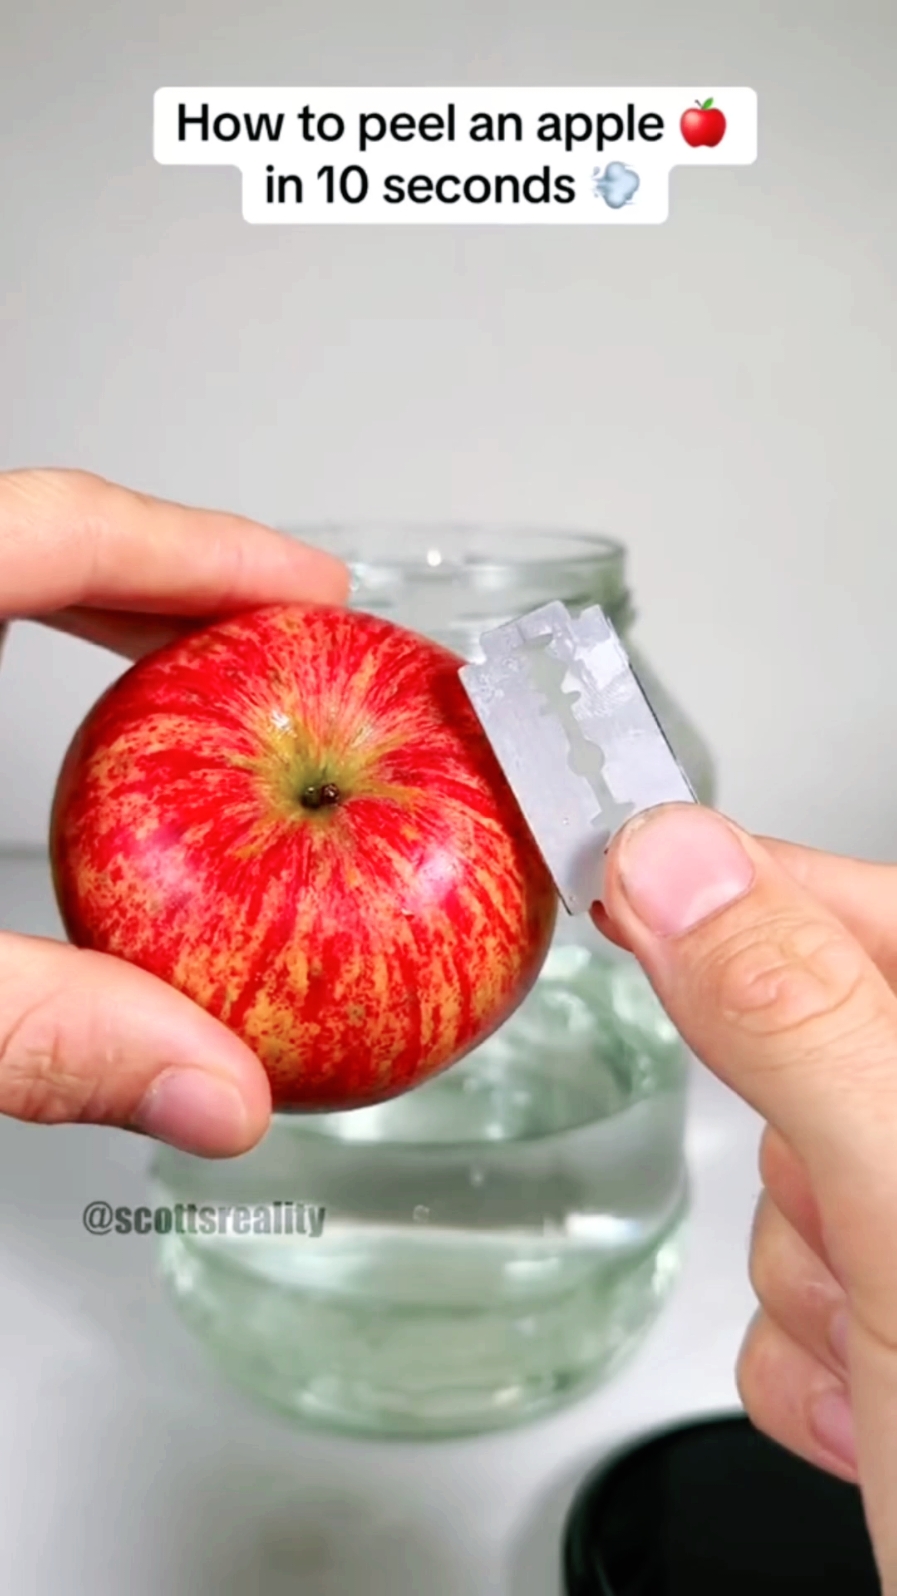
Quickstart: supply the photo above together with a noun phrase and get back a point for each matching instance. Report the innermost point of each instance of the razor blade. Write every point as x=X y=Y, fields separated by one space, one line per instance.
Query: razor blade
x=576 y=736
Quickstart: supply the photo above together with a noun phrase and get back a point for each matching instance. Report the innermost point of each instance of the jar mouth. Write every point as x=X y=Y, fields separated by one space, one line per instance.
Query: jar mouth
x=431 y=546
x=454 y=581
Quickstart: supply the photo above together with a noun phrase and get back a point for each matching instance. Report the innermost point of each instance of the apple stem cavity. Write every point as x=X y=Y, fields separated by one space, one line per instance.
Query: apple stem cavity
x=320 y=795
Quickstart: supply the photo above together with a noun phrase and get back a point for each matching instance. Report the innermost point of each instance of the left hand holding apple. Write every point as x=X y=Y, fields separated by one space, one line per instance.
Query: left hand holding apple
x=84 y=1036
x=133 y=573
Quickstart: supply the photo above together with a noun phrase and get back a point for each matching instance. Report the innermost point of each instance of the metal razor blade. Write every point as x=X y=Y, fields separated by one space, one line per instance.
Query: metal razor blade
x=576 y=736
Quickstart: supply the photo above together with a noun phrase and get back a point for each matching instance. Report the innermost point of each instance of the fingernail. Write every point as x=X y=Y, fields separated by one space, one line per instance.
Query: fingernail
x=193 y=1110
x=831 y=1421
x=837 y=1336
x=679 y=865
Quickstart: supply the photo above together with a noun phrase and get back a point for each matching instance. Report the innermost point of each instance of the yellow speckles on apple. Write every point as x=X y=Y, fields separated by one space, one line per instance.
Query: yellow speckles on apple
x=353 y=876
x=363 y=677
x=270 y=1029
x=295 y=964
x=386 y=1063
x=192 y=976
x=381 y=978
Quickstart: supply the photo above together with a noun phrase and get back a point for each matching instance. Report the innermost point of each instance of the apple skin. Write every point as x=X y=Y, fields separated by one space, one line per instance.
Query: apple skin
x=703 y=126
x=358 y=947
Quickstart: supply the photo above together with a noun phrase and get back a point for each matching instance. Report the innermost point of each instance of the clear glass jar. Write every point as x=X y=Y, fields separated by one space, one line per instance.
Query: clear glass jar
x=497 y=1240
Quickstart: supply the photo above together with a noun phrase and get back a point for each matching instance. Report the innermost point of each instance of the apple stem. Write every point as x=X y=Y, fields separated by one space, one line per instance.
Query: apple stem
x=320 y=795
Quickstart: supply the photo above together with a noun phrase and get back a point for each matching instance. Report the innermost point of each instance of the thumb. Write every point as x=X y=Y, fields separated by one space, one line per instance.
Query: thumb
x=85 y=1037
x=778 y=998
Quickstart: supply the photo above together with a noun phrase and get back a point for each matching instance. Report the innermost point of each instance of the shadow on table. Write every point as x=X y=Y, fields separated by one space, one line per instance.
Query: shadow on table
x=123 y=1494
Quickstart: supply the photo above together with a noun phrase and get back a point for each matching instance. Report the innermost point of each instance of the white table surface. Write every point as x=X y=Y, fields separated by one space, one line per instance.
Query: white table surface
x=129 y=1465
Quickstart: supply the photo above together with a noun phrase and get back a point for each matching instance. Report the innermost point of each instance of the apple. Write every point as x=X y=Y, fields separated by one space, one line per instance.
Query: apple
x=295 y=818
x=706 y=125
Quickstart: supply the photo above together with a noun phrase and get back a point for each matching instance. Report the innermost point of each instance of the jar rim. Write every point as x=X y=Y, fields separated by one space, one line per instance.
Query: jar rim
x=405 y=545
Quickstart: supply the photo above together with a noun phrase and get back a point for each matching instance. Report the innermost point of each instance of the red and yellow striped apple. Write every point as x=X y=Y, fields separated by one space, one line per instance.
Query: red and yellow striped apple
x=294 y=817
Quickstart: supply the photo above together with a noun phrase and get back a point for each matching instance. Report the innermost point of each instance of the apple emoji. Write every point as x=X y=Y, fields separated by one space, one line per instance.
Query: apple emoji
x=295 y=818
x=705 y=125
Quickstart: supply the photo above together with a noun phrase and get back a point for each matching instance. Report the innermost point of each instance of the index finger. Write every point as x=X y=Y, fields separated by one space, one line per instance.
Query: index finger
x=862 y=894
x=68 y=538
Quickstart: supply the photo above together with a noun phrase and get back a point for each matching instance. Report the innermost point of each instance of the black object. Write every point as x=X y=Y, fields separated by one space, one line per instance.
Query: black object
x=715 y=1509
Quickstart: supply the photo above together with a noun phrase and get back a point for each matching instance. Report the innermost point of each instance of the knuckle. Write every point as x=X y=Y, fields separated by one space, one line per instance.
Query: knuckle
x=749 y=1365
x=743 y=1381
x=36 y=1081
x=59 y=506
x=790 y=977
x=777 y=1163
x=769 y=1156
x=880 y=1333
x=34 y=488
x=763 y=1260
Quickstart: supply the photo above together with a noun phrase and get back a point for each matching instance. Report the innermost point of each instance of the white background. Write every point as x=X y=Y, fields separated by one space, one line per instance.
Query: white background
x=717 y=392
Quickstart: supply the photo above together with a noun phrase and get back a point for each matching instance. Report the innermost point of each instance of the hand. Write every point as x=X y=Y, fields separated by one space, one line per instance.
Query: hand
x=84 y=1036
x=776 y=965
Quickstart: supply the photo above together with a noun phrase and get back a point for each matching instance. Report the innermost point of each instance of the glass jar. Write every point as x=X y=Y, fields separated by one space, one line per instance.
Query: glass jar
x=497 y=1240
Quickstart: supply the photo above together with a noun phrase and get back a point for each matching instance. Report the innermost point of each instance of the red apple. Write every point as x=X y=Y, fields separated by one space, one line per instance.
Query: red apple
x=295 y=818
x=705 y=125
